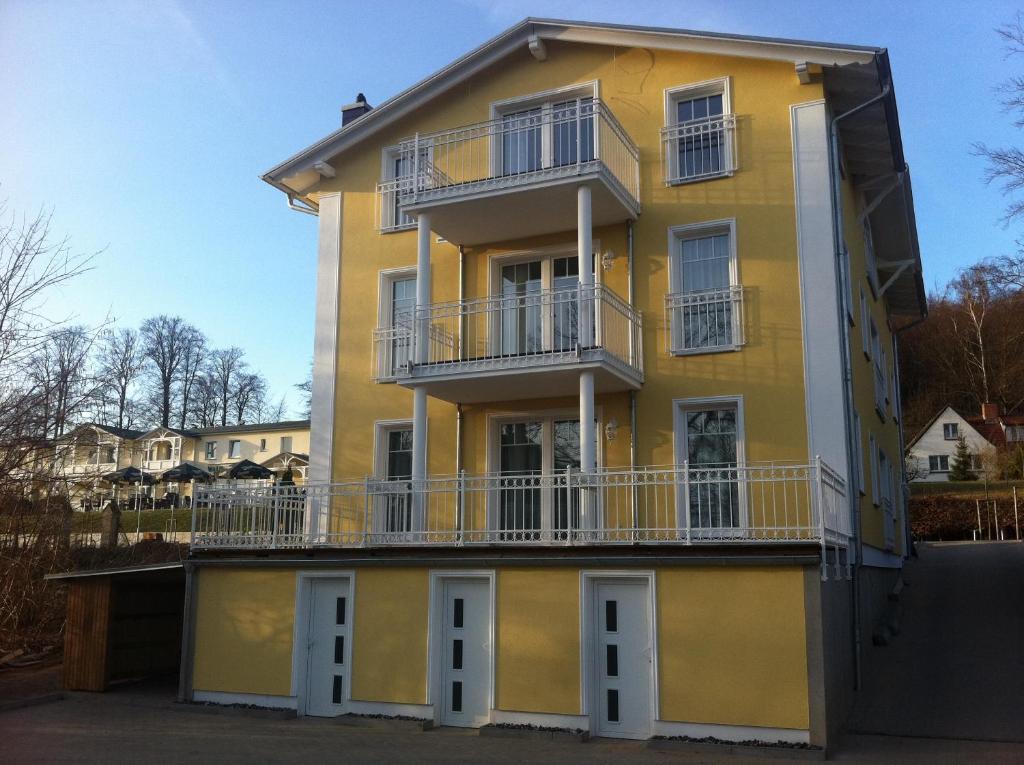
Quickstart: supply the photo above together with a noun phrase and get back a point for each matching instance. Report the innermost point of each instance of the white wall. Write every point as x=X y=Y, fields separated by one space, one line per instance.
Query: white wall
x=932 y=442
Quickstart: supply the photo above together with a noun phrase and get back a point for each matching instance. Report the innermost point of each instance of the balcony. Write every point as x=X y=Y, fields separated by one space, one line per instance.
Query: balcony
x=489 y=349
x=765 y=504
x=515 y=176
x=705 y=321
x=91 y=469
x=699 y=150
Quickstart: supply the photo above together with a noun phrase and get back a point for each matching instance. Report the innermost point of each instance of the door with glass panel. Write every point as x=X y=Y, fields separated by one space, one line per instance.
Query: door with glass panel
x=702 y=312
x=702 y=145
x=465 y=652
x=623 y=659
x=327 y=671
x=714 y=505
x=534 y=499
x=551 y=134
x=403 y=305
x=394 y=502
x=521 y=316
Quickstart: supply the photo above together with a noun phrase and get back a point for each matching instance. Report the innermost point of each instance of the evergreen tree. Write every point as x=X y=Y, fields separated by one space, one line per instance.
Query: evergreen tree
x=960 y=470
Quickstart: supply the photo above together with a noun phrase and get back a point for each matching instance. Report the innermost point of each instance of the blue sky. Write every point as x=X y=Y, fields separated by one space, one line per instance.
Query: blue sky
x=145 y=125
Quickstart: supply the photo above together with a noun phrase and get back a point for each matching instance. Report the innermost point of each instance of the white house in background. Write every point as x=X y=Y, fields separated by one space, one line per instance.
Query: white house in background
x=932 y=449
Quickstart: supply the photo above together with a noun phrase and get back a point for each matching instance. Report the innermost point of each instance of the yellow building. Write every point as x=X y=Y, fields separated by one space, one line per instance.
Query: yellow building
x=617 y=445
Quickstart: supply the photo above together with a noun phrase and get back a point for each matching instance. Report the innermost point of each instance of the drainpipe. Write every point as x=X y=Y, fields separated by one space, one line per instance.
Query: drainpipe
x=632 y=393
x=898 y=402
x=844 y=347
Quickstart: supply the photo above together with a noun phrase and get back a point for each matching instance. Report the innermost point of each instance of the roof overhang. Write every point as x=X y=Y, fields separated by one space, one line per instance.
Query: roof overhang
x=873 y=160
x=298 y=176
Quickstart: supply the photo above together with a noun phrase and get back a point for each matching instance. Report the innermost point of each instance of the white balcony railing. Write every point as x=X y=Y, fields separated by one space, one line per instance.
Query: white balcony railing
x=508 y=332
x=699 y=149
x=577 y=136
x=89 y=468
x=761 y=504
x=705 y=321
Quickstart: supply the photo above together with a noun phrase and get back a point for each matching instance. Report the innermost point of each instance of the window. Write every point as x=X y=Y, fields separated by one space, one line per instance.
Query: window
x=709 y=439
x=880 y=369
x=698 y=135
x=393 y=338
x=286 y=443
x=704 y=305
x=234 y=449
x=545 y=131
x=263 y=444
x=1015 y=433
x=938 y=463
x=396 y=181
x=876 y=498
x=950 y=431
x=869 y=256
x=539 y=311
x=859 y=455
x=865 y=332
x=211 y=450
x=848 y=272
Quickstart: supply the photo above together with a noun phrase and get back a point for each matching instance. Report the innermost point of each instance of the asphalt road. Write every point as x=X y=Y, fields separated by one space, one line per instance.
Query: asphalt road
x=957 y=669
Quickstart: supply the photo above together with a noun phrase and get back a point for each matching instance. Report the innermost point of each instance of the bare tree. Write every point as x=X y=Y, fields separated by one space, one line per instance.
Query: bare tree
x=120 y=364
x=227 y=365
x=163 y=346
x=59 y=374
x=205 y=402
x=249 y=396
x=973 y=293
x=193 y=357
x=306 y=388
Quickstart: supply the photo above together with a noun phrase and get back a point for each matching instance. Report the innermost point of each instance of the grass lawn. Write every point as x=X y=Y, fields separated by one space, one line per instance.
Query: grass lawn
x=149 y=520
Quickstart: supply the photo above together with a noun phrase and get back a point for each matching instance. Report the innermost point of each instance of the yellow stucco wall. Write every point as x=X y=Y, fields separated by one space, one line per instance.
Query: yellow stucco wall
x=885 y=430
x=243 y=638
x=768 y=372
x=732 y=641
x=732 y=646
x=389 y=649
x=538 y=637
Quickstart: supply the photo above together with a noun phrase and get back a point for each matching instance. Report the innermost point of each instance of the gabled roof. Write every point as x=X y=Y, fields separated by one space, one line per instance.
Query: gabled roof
x=991 y=431
x=176 y=431
x=539 y=29
x=124 y=433
x=267 y=426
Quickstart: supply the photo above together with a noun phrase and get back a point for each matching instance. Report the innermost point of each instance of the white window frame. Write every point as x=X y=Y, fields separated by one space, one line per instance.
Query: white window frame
x=865 y=319
x=876 y=498
x=859 y=455
x=234 y=448
x=381 y=430
x=848 y=268
x=677 y=235
x=545 y=100
x=677 y=93
x=385 y=290
x=388 y=156
x=679 y=408
x=956 y=431
x=263 y=444
x=211 y=450
x=291 y=444
x=870 y=258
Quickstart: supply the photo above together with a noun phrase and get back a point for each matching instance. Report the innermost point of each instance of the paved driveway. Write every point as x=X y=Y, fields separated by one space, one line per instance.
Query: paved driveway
x=137 y=726
x=957 y=669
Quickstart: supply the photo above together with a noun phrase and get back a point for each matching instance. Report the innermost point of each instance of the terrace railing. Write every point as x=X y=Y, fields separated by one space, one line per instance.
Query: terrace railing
x=703 y=321
x=568 y=139
x=683 y=505
x=699 y=149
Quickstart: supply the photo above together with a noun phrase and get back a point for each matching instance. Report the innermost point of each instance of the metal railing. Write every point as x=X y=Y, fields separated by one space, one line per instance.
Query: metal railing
x=545 y=143
x=699 y=149
x=703 y=321
x=512 y=331
x=683 y=504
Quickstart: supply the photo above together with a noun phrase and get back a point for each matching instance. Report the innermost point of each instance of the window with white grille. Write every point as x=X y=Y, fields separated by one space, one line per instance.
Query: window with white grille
x=698 y=137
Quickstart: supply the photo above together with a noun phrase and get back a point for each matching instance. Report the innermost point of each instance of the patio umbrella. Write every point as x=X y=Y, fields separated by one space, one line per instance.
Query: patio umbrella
x=129 y=475
x=184 y=473
x=249 y=469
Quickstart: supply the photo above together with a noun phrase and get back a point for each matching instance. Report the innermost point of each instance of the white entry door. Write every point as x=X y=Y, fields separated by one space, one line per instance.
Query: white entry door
x=466 y=653
x=623 y=659
x=330 y=627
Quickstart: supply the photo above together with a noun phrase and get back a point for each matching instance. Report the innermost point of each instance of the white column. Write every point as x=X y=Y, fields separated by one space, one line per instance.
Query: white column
x=422 y=347
x=588 y=437
x=585 y=248
x=422 y=287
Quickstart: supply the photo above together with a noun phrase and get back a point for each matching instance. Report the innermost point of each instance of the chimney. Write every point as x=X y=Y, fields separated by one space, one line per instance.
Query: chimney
x=990 y=412
x=354 y=110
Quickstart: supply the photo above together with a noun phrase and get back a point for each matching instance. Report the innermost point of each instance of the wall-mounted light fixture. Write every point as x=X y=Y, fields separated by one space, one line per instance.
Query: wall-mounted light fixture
x=611 y=429
x=607 y=259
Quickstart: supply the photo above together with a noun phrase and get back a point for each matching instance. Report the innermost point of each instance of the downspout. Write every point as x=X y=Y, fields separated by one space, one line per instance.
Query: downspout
x=632 y=393
x=898 y=401
x=848 y=409
x=458 y=405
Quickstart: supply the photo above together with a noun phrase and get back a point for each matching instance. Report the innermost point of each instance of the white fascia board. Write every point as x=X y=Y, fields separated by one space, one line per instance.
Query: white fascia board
x=520 y=34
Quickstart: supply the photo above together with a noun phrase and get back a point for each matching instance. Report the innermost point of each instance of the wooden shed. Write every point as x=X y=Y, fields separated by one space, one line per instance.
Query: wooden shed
x=122 y=624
